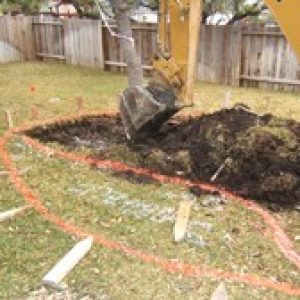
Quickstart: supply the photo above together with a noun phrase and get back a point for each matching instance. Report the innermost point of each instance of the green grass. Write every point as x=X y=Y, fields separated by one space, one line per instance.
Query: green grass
x=29 y=245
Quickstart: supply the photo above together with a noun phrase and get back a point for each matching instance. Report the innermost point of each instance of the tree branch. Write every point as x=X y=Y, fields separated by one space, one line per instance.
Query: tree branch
x=255 y=10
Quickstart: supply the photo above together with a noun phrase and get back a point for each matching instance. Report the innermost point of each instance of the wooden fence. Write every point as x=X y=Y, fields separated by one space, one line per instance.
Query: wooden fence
x=145 y=43
x=75 y=41
x=238 y=56
x=16 y=38
x=219 y=54
x=267 y=59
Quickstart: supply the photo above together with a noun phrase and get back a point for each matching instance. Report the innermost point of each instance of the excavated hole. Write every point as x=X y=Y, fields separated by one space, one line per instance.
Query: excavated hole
x=262 y=153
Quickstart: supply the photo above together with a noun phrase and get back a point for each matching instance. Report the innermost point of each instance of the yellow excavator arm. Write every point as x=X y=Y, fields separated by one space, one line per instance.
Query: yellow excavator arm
x=178 y=37
x=144 y=109
x=287 y=15
x=179 y=33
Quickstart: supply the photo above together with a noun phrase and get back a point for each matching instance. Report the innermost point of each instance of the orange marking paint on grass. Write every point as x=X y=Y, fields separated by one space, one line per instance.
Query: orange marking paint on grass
x=32 y=88
x=277 y=234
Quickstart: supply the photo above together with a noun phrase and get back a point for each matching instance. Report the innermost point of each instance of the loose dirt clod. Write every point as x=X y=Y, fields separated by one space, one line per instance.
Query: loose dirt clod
x=264 y=151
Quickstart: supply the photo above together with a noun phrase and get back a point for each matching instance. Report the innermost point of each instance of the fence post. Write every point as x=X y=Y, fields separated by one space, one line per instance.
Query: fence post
x=28 y=38
x=236 y=55
x=20 y=35
x=67 y=40
x=100 y=35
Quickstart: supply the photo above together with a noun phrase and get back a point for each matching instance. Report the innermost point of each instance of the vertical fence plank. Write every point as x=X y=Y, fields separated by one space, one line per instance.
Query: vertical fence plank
x=83 y=44
x=267 y=59
x=8 y=51
x=28 y=38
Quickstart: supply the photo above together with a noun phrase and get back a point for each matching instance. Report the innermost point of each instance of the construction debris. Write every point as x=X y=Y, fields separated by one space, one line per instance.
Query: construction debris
x=182 y=220
x=54 y=277
x=7 y=215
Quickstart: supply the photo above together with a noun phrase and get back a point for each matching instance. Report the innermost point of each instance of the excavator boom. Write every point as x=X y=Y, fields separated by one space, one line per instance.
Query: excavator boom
x=144 y=109
x=287 y=15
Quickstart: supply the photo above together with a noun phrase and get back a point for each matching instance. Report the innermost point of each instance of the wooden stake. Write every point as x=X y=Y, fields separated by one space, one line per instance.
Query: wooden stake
x=22 y=172
x=227 y=100
x=7 y=215
x=54 y=277
x=9 y=120
x=220 y=293
x=182 y=220
x=80 y=104
x=34 y=113
x=220 y=169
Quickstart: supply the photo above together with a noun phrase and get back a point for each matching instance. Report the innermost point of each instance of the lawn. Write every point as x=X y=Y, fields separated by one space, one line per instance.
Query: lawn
x=226 y=236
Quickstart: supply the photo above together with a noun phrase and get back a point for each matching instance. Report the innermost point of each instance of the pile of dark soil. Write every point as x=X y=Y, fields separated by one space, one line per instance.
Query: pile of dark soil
x=262 y=153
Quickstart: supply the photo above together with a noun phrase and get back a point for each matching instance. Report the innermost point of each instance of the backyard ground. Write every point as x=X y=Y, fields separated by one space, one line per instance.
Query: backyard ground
x=223 y=234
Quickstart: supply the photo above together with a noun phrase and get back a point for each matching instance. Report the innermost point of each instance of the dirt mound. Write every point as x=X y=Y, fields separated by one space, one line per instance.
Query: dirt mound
x=257 y=156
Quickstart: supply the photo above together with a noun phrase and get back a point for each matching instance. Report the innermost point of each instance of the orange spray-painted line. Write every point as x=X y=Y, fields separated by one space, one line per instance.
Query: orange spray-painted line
x=278 y=235
x=168 y=265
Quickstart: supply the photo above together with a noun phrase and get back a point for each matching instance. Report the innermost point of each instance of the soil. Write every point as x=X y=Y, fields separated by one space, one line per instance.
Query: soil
x=256 y=156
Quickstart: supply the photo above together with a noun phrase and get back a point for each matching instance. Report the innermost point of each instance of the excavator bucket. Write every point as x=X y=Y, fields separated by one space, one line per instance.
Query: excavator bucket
x=143 y=110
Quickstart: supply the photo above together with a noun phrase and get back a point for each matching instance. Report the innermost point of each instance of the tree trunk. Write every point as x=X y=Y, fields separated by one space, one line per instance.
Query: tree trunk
x=132 y=59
